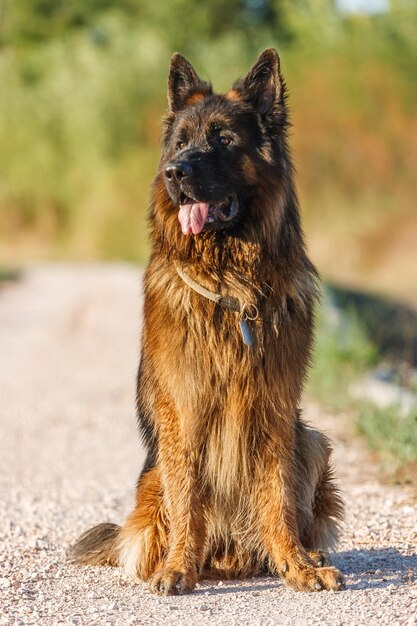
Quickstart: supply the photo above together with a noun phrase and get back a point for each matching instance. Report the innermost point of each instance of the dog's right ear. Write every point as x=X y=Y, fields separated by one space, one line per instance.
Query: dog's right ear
x=184 y=85
x=263 y=84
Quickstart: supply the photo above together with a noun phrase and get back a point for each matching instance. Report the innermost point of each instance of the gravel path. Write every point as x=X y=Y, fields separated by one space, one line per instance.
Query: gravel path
x=69 y=457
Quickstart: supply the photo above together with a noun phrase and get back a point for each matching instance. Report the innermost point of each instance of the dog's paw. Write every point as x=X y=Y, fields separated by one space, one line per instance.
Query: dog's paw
x=168 y=582
x=310 y=578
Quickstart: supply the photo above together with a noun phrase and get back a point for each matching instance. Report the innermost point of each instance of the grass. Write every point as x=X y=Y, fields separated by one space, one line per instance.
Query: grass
x=393 y=437
x=343 y=355
x=9 y=274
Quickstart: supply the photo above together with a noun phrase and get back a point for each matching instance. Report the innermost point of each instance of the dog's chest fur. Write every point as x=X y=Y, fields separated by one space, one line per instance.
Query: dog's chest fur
x=226 y=394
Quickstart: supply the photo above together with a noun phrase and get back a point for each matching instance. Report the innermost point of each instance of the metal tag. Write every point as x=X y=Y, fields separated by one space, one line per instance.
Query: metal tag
x=246 y=331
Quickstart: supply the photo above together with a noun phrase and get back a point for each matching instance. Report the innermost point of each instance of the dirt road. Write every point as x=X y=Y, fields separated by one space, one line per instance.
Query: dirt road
x=69 y=457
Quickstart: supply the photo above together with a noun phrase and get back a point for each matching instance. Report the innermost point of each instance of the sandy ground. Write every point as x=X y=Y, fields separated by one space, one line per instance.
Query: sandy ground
x=69 y=457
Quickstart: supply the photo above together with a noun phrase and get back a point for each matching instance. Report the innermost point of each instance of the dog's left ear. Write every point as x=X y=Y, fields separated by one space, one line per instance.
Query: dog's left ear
x=262 y=85
x=183 y=83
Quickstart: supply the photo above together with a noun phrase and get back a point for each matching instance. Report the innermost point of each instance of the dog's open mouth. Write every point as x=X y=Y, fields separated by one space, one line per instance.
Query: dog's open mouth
x=195 y=215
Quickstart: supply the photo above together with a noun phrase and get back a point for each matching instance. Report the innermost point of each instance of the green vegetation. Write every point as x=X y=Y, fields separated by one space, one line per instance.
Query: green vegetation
x=388 y=431
x=342 y=355
x=8 y=274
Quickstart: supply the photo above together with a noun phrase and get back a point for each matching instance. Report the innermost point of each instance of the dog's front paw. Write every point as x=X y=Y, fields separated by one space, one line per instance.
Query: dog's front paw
x=310 y=578
x=168 y=582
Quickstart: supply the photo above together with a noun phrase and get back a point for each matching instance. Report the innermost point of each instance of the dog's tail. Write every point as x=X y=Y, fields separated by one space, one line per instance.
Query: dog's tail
x=97 y=546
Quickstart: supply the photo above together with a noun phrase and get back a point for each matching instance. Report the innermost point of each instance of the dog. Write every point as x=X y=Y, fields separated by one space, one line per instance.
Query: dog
x=235 y=484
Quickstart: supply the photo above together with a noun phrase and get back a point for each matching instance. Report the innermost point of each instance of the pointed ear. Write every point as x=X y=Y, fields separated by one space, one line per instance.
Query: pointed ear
x=183 y=82
x=262 y=85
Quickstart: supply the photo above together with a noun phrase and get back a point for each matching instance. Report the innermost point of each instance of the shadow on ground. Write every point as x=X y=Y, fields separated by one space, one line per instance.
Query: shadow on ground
x=377 y=568
x=364 y=569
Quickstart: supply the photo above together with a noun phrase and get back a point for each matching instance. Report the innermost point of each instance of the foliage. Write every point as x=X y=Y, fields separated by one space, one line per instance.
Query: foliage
x=343 y=353
x=389 y=431
x=343 y=356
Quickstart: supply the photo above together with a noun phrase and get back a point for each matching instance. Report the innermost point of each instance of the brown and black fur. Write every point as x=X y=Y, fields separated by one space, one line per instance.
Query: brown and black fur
x=235 y=483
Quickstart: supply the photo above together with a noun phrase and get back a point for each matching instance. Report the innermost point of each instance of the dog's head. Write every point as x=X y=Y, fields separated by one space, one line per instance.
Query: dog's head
x=218 y=150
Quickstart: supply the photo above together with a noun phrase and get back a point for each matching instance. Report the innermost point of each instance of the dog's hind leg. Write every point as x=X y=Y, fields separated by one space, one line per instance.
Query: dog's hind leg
x=319 y=504
x=142 y=541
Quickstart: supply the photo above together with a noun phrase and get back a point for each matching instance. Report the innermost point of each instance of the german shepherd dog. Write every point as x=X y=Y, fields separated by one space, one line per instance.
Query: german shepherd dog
x=235 y=484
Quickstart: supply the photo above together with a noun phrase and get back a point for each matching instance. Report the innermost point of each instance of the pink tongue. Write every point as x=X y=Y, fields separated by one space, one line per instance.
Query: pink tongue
x=192 y=217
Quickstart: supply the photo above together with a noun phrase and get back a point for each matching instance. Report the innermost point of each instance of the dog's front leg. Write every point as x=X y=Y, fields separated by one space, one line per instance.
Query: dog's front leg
x=278 y=522
x=178 y=466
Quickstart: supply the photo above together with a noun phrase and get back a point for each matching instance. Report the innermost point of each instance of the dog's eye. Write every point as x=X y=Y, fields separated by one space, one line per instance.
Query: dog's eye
x=225 y=141
x=180 y=144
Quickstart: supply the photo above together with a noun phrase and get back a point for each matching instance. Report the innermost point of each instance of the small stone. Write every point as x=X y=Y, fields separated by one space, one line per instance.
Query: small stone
x=204 y=607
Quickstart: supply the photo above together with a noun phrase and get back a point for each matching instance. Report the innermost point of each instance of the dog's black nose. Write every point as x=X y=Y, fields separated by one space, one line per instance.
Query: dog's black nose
x=178 y=171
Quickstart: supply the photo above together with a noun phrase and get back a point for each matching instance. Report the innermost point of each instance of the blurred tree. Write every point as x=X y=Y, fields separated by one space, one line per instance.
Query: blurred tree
x=38 y=20
x=309 y=21
x=185 y=22
x=179 y=22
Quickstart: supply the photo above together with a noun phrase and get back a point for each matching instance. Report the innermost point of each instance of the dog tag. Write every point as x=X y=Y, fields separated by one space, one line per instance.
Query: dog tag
x=246 y=331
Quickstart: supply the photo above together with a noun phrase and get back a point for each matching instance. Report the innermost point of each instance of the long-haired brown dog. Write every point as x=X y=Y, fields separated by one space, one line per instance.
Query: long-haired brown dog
x=235 y=484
